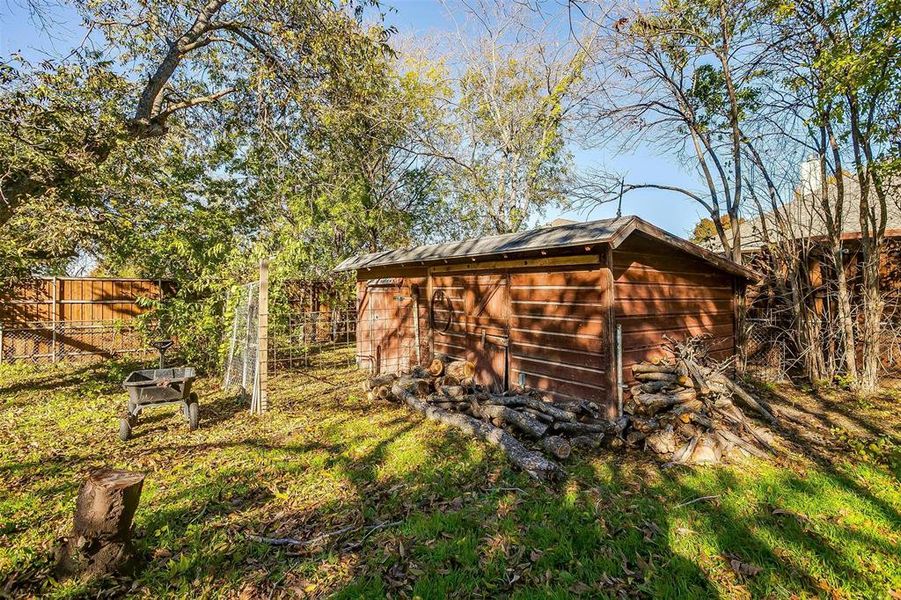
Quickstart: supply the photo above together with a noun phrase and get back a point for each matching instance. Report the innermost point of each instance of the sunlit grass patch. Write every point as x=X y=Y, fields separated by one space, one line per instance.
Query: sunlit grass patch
x=381 y=502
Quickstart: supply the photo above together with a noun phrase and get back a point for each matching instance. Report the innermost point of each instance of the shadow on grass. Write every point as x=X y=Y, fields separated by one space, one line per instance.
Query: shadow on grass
x=381 y=503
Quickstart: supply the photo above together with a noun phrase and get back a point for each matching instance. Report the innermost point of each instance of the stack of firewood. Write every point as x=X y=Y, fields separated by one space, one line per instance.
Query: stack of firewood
x=523 y=423
x=688 y=413
x=681 y=410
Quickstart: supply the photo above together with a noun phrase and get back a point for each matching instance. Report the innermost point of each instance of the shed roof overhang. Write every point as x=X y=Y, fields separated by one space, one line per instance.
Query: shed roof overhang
x=561 y=239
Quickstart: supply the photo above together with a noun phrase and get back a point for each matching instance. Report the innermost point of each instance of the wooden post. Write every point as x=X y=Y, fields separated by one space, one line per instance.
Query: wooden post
x=429 y=291
x=414 y=292
x=607 y=295
x=263 y=336
x=53 y=308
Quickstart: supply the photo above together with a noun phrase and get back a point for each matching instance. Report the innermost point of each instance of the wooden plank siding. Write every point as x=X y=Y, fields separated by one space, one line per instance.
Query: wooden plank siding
x=659 y=291
x=558 y=328
x=543 y=326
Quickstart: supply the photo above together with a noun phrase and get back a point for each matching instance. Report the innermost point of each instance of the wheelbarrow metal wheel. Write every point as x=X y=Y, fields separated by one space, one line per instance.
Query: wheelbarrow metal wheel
x=124 y=429
x=193 y=412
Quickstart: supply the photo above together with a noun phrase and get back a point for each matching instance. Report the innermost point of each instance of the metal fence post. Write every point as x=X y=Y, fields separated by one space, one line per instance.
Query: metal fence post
x=619 y=369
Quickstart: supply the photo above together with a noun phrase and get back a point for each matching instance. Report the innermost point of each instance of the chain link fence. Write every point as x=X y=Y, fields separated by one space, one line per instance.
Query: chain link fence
x=49 y=342
x=771 y=353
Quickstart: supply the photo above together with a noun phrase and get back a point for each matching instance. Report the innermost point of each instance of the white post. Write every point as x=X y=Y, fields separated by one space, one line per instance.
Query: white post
x=263 y=337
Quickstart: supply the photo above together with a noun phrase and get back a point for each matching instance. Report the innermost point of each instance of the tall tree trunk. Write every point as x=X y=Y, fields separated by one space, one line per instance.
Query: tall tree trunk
x=871 y=325
x=872 y=235
x=835 y=225
x=807 y=324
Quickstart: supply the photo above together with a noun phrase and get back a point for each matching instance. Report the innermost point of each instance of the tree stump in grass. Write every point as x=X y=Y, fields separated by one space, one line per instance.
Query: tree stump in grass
x=100 y=543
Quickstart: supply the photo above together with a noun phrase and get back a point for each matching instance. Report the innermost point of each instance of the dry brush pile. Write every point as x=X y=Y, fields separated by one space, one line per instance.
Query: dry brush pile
x=683 y=411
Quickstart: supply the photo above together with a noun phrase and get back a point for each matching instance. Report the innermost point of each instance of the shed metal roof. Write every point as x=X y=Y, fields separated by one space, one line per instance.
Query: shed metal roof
x=575 y=235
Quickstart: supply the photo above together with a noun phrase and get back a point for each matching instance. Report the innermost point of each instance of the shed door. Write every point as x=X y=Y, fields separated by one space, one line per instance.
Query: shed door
x=487 y=328
x=472 y=323
x=386 y=338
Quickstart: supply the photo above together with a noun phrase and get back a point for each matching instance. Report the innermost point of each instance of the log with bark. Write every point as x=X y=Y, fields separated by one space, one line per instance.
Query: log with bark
x=746 y=398
x=525 y=416
x=533 y=463
x=516 y=419
x=558 y=446
x=100 y=543
x=436 y=367
x=535 y=404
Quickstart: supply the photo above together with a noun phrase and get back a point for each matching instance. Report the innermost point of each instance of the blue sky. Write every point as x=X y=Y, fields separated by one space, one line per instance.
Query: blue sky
x=414 y=18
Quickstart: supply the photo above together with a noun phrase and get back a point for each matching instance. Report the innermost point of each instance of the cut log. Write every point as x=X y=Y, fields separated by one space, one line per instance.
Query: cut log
x=634 y=438
x=689 y=406
x=380 y=380
x=746 y=398
x=520 y=421
x=460 y=369
x=581 y=428
x=701 y=420
x=684 y=453
x=585 y=407
x=734 y=416
x=650 y=368
x=100 y=543
x=383 y=392
x=651 y=404
x=535 y=404
x=446 y=381
x=652 y=387
x=533 y=463
x=436 y=367
x=587 y=442
x=404 y=385
x=537 y=414
x=420 y=372
x=453 y=391
x=645 y=425
x=557 y=446
x=662 y=442
x=706 y=451
x=667 y=377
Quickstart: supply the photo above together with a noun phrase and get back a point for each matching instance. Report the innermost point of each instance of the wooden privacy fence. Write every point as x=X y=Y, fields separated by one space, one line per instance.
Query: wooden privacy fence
x=48 y=320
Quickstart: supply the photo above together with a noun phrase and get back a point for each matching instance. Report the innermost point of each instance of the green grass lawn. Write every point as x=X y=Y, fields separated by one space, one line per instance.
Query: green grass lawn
x=391 y=505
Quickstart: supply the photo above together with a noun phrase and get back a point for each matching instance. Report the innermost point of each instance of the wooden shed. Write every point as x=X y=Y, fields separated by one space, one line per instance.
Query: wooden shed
x=541 y=308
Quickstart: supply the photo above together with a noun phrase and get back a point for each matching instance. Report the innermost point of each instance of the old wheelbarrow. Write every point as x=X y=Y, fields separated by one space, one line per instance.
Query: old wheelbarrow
x=155 y=387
